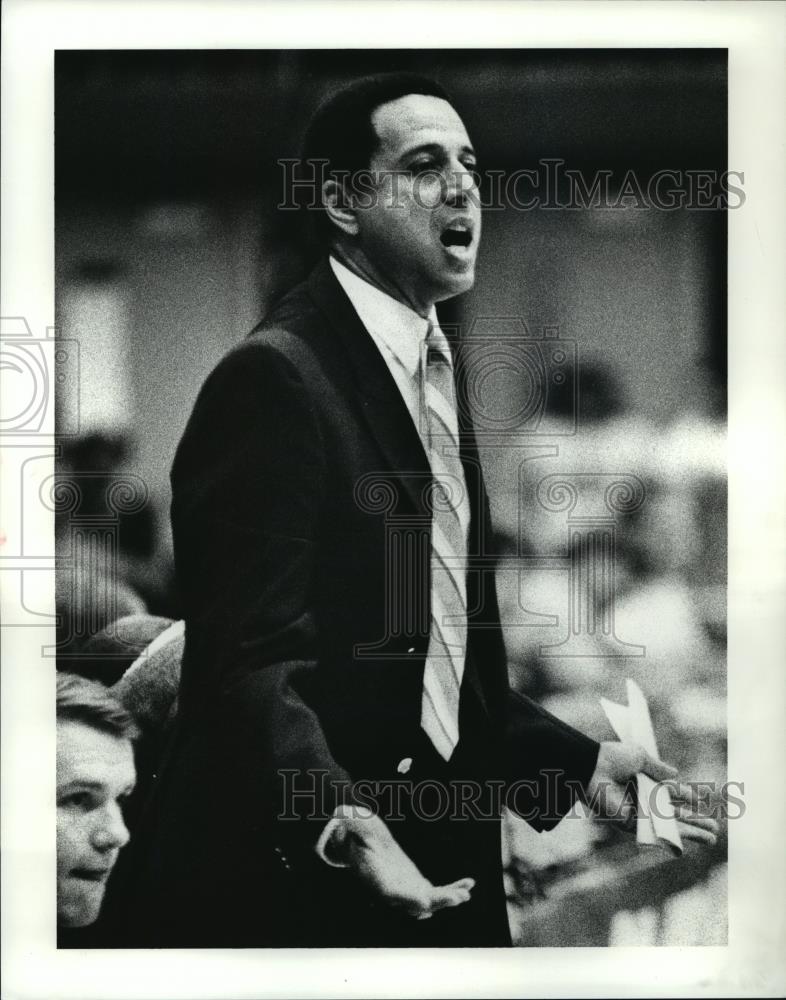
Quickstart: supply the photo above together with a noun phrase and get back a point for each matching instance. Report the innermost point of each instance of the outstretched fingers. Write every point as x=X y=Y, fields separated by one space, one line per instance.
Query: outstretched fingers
x=695 y=830
x=444 y=896
x=686 y=815
x=681 y=792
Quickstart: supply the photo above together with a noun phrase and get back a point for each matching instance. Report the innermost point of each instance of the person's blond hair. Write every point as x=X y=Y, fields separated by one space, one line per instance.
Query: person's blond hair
x=89 y=702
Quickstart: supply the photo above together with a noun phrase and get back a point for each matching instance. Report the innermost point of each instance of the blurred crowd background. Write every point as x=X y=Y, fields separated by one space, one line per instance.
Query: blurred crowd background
x=169 y=247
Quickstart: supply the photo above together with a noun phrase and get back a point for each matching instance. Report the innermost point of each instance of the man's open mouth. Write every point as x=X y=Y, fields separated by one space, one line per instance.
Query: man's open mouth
x=456 y=235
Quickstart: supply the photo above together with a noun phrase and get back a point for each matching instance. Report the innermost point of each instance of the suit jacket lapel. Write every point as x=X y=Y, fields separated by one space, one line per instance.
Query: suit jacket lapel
x=380 y=402
x=389 y=420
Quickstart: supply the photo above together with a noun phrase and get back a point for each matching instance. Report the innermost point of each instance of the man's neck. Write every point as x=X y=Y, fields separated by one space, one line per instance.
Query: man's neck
x=358 y=263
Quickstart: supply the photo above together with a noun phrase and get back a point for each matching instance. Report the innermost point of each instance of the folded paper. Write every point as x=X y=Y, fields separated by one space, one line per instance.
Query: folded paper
x=656 y=821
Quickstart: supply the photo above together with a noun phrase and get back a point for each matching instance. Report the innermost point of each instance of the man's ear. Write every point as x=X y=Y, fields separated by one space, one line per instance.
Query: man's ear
x=339 y=207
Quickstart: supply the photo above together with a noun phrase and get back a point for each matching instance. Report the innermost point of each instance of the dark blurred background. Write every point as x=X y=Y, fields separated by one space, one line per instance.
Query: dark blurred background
x=169 y=248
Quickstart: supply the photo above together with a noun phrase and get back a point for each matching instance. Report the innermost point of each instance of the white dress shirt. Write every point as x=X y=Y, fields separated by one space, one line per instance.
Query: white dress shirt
x=398 y=331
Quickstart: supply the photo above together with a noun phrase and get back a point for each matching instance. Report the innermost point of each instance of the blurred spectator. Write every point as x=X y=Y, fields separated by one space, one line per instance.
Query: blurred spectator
x=95 y=775
x=149 y=691
x=108 y=654
x=138 y=659
x=668 y=596
x=110 y=564
x=149 y=688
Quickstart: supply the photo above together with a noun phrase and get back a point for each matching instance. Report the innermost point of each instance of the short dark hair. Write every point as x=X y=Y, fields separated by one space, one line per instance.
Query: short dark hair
x=341 y=133
x=89 y=702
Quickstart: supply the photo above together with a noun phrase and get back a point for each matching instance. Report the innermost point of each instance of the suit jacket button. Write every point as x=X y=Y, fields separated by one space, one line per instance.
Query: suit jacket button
x=411 y=649
x=404 y=765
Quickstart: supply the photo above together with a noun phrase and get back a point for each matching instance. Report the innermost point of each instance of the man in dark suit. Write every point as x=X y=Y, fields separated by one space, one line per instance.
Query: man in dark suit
x=347 y=735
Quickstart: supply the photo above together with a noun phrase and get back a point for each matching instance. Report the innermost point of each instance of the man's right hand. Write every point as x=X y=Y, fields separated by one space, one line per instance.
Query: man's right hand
x=364 y=843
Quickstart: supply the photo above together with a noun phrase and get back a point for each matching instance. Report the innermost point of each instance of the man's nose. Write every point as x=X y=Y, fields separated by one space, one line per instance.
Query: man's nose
x=460 y=185
x=110 y=831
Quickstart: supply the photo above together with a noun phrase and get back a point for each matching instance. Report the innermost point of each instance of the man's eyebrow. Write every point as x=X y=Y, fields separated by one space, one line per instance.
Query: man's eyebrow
x=432 y=147
x=81 y=783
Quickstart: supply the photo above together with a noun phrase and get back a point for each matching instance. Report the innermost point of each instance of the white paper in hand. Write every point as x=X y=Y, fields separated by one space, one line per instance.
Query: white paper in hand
x=656 y=821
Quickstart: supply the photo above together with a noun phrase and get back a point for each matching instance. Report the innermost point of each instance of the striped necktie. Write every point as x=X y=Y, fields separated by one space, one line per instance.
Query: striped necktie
x=449 y=524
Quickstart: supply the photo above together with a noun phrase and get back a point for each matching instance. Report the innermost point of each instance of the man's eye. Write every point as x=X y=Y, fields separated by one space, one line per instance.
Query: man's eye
x=77 y=800
x=423 y=166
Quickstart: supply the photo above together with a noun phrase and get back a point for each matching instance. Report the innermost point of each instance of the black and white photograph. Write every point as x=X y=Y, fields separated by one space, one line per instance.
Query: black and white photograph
x=372 y=530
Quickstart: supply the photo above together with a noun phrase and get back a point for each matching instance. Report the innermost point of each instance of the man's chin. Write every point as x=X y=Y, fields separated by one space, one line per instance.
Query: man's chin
x=81 y=909
x=78 y=917
x=456 y=284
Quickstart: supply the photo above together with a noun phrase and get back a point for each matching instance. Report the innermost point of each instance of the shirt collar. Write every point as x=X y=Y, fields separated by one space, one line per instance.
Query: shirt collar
x=389 y=321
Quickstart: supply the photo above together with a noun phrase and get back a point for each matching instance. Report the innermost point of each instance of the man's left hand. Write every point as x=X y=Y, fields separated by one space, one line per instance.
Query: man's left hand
x=610 y=796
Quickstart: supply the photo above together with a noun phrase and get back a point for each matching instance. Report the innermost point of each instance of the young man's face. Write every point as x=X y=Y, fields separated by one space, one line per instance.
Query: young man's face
x=422 y=230
x=95 y=773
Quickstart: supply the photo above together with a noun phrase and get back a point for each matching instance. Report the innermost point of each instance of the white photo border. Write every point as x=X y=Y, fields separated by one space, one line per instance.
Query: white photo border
x=752 y=964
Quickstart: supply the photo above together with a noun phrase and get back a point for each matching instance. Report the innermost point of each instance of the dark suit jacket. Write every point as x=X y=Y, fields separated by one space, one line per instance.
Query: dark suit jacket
x=302 y=538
